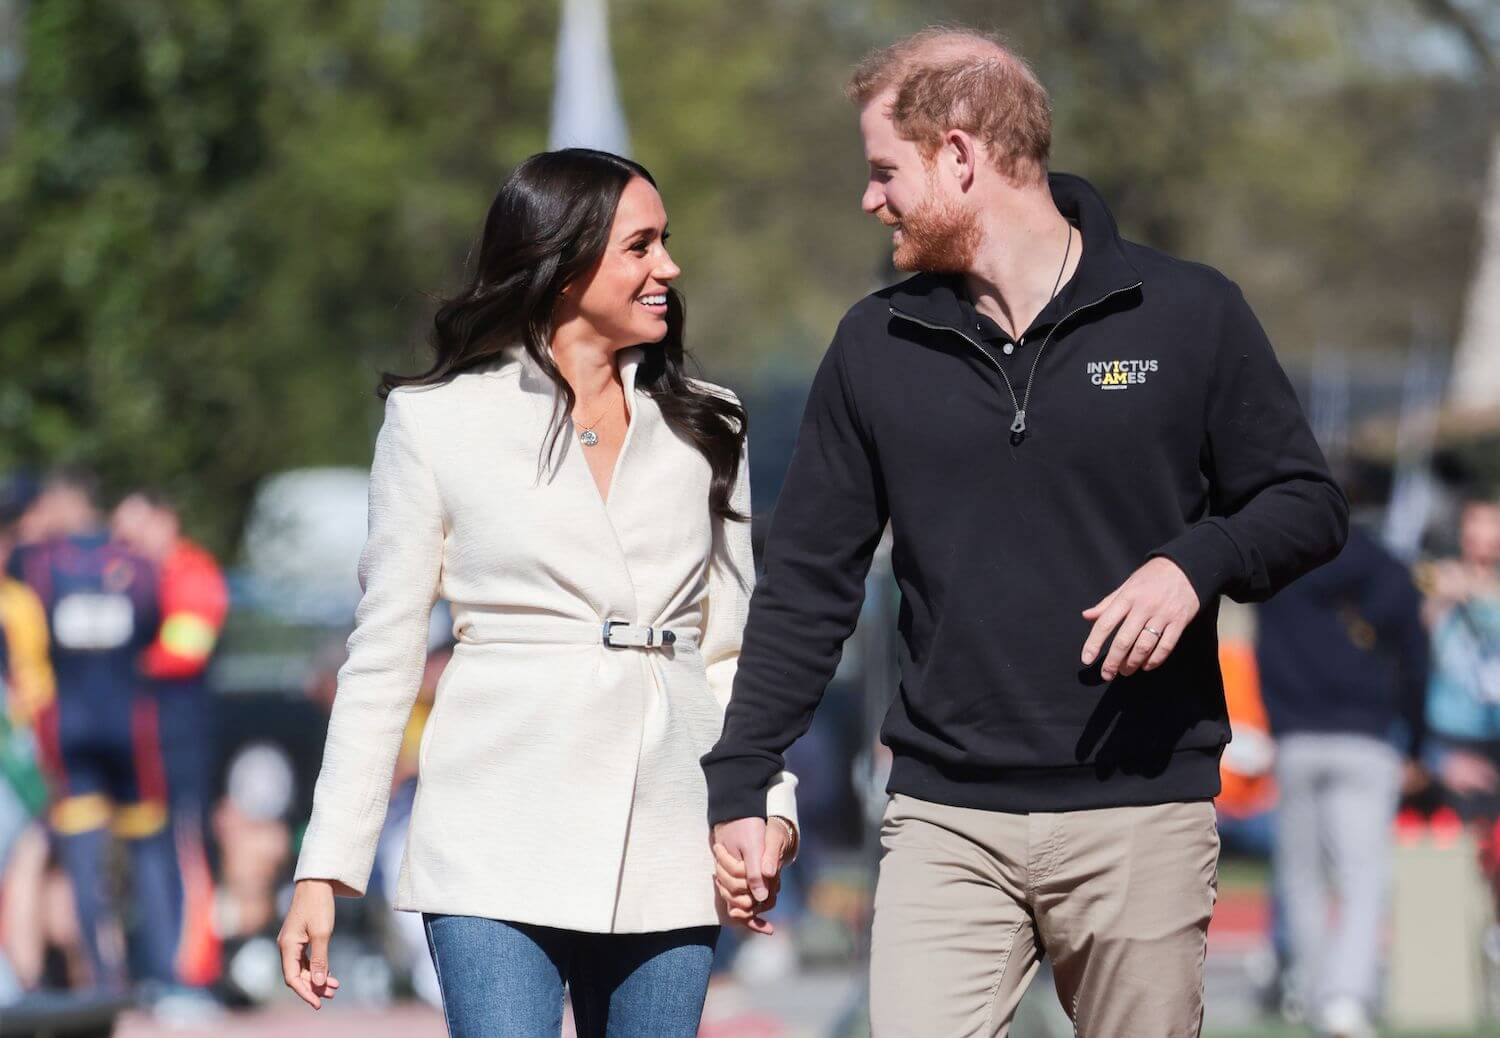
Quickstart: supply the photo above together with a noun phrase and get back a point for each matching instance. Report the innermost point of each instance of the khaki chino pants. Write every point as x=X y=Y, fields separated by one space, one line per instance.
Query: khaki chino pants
x=968 y=901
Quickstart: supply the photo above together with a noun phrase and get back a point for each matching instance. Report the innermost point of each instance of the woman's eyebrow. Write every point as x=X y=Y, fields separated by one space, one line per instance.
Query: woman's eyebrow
x=644 y=232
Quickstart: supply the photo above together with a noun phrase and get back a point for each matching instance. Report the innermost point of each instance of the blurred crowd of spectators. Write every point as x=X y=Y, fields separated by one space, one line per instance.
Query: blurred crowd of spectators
x=137 y=862
x=1367 y=686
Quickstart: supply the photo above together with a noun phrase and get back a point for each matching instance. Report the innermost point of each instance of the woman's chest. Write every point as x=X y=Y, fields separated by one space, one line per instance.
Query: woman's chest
x=511 y=486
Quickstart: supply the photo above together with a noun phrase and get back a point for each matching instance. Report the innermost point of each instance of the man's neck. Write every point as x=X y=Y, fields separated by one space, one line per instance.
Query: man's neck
x=1017 y=268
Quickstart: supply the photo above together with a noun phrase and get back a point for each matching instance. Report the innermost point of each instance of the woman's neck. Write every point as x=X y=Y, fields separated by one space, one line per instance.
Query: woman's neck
x=587 y=363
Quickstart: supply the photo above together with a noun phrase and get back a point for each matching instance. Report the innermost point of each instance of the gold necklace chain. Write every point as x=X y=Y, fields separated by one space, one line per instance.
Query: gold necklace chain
x=586 y=435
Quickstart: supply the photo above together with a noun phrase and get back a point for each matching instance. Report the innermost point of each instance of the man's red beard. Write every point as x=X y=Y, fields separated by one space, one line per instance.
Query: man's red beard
x=937 y=236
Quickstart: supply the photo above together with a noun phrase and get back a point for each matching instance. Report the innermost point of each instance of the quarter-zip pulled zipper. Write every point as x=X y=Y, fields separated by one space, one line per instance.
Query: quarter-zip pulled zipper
x=1017 y=427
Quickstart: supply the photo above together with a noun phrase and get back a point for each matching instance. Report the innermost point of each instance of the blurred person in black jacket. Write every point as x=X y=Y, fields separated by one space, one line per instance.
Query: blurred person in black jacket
x=1343 y=657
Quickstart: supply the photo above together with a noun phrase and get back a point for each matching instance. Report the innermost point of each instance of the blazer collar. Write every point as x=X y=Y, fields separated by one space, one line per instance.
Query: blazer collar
x=535 y=380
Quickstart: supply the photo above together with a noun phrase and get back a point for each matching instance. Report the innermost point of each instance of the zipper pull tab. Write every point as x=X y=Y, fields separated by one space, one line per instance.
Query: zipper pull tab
x=1018 y=429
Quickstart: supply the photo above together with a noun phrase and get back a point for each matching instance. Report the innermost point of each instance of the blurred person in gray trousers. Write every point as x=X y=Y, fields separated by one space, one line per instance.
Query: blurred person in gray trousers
x=1343 y=657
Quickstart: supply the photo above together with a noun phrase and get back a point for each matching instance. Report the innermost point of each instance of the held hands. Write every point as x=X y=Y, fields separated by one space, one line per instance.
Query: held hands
x=748 y=856
x=1151 y=610
x=304 y=942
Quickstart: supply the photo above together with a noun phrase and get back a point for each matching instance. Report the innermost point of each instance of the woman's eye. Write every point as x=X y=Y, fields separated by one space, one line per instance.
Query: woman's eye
x=639 y=248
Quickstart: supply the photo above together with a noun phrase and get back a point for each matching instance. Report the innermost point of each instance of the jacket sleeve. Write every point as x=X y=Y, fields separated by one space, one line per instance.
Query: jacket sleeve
x=826 y=526
x=34 y=687
x=731 y=579
x=194 y=606
x=1274 y=511
x=399 y=571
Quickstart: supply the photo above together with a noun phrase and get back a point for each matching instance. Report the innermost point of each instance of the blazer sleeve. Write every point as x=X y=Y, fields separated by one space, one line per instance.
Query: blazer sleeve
x=731 y=579
x=399 y=571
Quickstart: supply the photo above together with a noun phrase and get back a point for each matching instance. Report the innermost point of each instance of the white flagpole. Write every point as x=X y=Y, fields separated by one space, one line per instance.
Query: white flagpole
x=586 y=110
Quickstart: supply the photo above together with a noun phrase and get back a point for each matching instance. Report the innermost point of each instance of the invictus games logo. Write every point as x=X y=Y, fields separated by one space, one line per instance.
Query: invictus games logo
x=1120 y=374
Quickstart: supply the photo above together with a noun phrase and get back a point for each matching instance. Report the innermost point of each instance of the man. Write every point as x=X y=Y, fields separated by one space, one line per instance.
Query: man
x=100 y=738
x=1080 y=443
x=1343 y=661
x=193 y=602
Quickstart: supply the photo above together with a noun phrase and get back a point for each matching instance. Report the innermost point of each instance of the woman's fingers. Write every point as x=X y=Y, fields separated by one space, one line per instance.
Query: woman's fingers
x=734 y=881
x=297 y=976
x=758 y=925
x=728 y=861
x=736 y=900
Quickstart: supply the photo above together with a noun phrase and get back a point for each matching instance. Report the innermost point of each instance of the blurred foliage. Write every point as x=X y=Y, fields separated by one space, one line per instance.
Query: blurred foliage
x=220 y=220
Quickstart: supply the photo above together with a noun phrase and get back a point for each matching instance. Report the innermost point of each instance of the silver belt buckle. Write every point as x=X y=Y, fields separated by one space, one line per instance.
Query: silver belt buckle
x=654 y=638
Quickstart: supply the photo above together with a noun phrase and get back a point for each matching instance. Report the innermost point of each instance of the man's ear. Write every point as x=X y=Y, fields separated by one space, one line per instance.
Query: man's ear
x=960 y=153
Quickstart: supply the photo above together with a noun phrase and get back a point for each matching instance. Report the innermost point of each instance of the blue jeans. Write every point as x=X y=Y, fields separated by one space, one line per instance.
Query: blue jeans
x=500 y=978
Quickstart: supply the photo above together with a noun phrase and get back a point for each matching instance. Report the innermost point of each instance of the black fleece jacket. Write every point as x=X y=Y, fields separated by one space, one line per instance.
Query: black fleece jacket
x=1159 y=423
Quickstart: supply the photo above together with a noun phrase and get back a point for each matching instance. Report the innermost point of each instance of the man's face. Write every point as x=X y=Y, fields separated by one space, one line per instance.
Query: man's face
x=1479 y=534
x=934 y=227
x=144 y=528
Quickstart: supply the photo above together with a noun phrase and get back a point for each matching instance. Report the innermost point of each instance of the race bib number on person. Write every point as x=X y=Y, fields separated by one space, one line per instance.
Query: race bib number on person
x=93 y=622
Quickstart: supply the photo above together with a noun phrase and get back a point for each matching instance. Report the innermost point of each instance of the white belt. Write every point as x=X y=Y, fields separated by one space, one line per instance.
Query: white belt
x=482 y=628
x=618 y=634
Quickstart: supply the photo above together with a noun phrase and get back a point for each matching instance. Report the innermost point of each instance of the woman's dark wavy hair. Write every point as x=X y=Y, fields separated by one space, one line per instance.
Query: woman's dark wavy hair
x=549 y=224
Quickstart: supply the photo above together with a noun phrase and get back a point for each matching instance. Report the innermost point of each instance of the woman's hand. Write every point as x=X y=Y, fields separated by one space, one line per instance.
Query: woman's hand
x=304 y=942
x=748 y=857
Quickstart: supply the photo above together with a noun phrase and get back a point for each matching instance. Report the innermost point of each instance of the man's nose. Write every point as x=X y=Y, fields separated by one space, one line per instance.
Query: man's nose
x=873 y=198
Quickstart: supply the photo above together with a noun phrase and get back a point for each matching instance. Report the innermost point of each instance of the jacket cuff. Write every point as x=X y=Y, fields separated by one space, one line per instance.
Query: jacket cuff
x=317 y=861
x=1207 y=556
x=781 y=798
x=736 y=789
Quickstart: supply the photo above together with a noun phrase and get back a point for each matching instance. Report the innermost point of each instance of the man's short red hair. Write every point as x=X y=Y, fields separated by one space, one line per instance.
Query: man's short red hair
x=962 y=79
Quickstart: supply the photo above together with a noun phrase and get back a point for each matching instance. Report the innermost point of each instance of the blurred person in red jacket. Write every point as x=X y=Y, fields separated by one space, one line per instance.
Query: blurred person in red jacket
x=194 y=601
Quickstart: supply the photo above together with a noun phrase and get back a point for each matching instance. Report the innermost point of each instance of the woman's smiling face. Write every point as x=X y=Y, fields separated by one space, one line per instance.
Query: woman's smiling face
x=624 y=298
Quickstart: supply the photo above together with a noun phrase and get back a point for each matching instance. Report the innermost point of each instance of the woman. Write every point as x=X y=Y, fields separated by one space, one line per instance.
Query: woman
x=583 y=506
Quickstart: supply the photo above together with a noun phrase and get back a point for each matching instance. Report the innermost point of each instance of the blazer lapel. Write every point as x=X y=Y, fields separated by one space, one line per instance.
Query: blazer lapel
x=613 y=586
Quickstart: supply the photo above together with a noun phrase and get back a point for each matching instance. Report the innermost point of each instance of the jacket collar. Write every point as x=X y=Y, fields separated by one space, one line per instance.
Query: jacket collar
x=514 y=357
x=1103 y=270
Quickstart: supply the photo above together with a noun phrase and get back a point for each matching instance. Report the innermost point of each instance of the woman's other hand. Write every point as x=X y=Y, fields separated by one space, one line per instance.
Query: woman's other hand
x=304 y=942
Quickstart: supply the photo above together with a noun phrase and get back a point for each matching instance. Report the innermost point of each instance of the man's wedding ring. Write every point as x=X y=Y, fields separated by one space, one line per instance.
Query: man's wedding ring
x=1153 y=630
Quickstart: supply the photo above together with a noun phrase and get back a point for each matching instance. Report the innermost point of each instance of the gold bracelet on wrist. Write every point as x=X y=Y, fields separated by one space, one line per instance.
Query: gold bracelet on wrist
x=788 y=853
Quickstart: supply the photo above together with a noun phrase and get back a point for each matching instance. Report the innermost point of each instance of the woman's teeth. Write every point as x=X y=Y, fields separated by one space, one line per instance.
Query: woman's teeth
x=660 y=300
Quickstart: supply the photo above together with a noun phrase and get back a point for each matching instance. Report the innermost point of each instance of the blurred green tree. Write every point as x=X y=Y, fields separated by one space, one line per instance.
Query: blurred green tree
x=219 y=219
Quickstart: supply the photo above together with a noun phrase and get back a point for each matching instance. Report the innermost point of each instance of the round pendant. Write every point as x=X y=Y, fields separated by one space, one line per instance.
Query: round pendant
x=588 y=437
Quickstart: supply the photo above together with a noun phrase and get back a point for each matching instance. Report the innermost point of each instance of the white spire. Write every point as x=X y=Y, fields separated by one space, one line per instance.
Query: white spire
x=585 y=104
x=1476 y=361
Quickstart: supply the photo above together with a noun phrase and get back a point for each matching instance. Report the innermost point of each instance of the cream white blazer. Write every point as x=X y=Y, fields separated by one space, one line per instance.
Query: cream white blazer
x=559 y=780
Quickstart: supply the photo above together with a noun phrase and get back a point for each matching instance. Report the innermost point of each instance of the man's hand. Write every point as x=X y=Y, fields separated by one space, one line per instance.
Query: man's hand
x=747 y=869
x=1151 y=610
